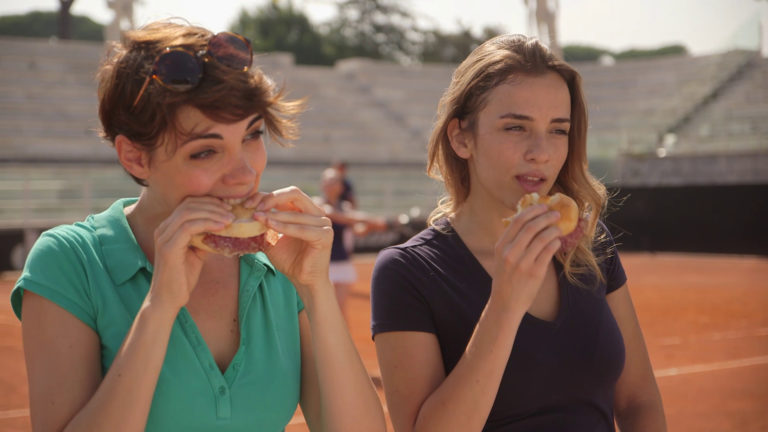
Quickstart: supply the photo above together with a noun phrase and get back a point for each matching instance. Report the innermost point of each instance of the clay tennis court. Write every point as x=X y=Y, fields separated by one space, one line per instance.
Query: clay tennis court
x=705 y=319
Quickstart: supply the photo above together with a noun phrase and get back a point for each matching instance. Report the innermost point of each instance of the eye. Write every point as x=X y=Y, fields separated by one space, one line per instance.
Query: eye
x=514 y=128
x=202 y=154
x=560 y=132
x=254 y=135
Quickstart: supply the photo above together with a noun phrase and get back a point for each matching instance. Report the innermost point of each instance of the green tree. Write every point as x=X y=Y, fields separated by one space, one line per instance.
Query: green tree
x=277 y=27
x=578 y=53
x=655 y=52
x=45 y=25
x=442 y=47
x=381 y=29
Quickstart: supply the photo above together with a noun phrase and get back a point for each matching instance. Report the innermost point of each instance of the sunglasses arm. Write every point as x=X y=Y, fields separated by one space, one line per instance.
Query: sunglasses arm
x=141 y=92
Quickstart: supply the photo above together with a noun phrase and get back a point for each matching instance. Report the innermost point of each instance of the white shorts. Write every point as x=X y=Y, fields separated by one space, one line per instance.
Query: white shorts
x=349 y=239
x=342 y=272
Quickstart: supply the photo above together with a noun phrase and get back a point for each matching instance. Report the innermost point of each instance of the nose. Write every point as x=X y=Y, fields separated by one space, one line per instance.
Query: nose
x=537 y=149
x=240 y=171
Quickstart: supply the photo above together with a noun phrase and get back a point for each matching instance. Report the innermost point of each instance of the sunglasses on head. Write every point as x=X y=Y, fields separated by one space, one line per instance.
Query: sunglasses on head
x=181 y=68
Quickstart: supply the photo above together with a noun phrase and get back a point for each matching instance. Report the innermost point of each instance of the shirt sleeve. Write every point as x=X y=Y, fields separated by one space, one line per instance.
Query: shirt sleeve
x=54 y=269
x=299 y=303
x=398 y=302
x=615 y=276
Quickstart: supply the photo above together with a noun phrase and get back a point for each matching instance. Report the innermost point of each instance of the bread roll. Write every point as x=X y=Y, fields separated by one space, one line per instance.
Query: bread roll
x=565 y=205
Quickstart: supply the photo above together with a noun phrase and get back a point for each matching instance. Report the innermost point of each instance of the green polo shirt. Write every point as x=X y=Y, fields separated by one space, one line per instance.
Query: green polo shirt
x=96 y=271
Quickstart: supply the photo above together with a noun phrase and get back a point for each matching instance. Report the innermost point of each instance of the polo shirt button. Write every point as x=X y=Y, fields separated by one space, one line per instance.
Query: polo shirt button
x=222 y=390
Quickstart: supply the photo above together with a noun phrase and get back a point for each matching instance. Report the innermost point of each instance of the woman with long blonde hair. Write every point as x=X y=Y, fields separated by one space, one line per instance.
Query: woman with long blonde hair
x=483 y=326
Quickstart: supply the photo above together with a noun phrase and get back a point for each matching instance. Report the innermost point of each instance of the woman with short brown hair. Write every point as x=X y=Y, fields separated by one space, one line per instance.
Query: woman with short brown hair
x=128 y=326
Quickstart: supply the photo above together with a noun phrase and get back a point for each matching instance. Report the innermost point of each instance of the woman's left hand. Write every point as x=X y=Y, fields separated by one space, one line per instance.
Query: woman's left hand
x=303 y=253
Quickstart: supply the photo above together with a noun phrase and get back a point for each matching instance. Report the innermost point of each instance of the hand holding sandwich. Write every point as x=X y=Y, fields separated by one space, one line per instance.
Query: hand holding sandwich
x=541 y=227
x=522 y=255
x=303 y=252
x=177 y=266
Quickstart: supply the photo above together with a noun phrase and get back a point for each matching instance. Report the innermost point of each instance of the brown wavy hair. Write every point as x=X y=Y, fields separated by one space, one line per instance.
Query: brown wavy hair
x=494 y=62
x=223 y=94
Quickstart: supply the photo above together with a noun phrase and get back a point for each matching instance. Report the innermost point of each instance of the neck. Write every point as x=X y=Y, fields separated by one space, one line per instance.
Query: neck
x=144 y=218
x=479 y=224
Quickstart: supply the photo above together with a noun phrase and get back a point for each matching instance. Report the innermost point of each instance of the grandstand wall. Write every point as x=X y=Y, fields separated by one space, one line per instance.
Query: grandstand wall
x=719 y=219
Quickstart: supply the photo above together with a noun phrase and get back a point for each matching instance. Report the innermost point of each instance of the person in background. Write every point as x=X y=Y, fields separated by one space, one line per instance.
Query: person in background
x=345 y=221
x=348 y=196
x=348 y=192
x=126 y=326
x=480 y=326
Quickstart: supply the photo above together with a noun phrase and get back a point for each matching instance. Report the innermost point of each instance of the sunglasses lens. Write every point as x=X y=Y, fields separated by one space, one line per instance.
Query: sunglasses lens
x=231 y=50
x=178 y=70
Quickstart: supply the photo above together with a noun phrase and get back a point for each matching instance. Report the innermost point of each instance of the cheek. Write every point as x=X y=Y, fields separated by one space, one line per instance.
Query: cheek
x=257 y=156
x=198 y=182
x=561 y=153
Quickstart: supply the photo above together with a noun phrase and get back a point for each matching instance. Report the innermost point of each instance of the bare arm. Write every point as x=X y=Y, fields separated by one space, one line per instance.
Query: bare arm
x=336 y=392
x=63 y=355
x=637 y=401
x=350 y=216
x=431 y=401
x=63 y=362
x=64 y=365
x=423 y=398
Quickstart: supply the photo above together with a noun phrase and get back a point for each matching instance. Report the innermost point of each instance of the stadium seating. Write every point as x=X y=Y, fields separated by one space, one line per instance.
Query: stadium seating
x=735 y=120
x=374 y=114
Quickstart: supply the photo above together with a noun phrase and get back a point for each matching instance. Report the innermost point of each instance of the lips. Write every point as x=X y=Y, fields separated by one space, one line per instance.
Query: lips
x=530 y=182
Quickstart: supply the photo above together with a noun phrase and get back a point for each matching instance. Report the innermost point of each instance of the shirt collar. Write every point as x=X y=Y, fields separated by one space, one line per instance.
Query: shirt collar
x=122 y=255
x=259 y=260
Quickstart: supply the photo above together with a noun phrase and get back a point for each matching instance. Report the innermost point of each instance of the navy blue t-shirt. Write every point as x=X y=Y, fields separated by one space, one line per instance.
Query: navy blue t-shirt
x=561 y=374
x=338 y=249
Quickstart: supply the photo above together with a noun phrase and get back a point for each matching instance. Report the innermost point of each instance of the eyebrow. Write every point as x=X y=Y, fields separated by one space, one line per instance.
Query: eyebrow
x=523 y=117
x=254 y=121
x=212 y=135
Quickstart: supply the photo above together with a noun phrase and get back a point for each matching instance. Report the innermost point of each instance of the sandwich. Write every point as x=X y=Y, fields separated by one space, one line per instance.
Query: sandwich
x=570 y=224
x=243 y=236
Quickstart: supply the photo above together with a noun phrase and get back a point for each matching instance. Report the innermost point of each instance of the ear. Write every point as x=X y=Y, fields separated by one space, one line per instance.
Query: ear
x=132 y=157
x=461 y=141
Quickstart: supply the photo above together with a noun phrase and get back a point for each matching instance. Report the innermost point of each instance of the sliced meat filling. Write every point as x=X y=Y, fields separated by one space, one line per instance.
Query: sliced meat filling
x=235 y=245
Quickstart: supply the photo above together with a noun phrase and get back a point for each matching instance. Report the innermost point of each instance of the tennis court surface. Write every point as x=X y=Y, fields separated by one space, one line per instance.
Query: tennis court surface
x=705 y=320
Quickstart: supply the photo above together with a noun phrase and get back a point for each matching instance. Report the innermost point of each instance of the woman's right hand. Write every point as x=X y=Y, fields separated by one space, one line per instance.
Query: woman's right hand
x=522 y=255
x=177 y=265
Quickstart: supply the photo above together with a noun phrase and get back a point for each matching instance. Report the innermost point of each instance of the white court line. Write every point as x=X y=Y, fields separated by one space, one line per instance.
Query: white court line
x=14 y=413
x=719 y=336
x=708 y=367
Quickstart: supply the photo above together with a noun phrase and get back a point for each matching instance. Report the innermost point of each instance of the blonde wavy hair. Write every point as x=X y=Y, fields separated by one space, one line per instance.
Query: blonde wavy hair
x=489 y=65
